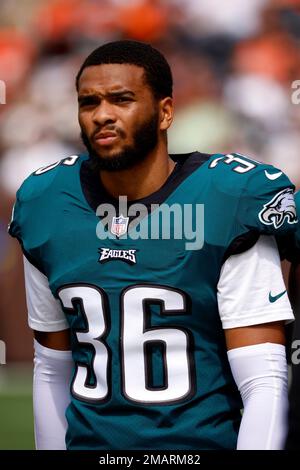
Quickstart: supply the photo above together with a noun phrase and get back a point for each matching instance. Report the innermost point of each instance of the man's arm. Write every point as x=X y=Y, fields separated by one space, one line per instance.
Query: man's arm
x=258 y=363
x=52 y=361
x=51 y=384
x=294 y=290
x=253 y=306
x=54 y=340
x=293 y=438
x=51 y=379
x=255 y=334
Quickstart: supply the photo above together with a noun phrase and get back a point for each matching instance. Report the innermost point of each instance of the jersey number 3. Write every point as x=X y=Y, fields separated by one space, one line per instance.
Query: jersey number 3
x=92 y=377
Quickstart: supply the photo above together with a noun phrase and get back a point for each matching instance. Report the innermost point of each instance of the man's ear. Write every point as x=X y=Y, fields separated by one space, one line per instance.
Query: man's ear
x=166 y=113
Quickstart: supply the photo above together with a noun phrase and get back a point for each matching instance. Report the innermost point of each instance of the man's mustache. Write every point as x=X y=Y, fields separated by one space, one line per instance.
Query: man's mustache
x=114 y=129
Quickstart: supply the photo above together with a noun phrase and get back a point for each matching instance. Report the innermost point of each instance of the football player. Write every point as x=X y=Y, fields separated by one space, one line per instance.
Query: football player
x=145 y=343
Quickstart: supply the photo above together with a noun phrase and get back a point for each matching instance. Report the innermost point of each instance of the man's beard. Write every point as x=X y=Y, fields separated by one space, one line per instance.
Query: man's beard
x=145 y=140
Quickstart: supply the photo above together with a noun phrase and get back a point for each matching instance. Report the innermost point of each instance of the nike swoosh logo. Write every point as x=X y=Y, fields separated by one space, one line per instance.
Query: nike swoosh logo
x=273 y=299
x=273 y=176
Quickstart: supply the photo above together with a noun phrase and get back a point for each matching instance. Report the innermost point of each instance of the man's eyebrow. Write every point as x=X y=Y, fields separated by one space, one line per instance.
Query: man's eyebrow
x=83 y=95
x=121 y=92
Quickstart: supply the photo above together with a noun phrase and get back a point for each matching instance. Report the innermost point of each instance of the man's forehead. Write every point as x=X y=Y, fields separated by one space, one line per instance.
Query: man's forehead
x=112 y=77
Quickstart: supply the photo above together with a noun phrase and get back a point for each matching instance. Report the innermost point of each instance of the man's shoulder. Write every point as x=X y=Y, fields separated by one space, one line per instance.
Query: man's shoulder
x=242 y=175
x=41 y=193
x=53 y=176
x=244 y=195
x=232 y=171
x=231 y=177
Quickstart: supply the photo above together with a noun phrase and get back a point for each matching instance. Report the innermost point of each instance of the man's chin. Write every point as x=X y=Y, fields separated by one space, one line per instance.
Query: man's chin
x=112 y=162
x=105 y=152
x=105 y=157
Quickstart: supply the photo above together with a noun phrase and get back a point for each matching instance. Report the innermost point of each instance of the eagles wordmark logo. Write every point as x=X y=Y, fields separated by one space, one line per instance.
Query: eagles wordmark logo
x=281 y=207
x=106 y=254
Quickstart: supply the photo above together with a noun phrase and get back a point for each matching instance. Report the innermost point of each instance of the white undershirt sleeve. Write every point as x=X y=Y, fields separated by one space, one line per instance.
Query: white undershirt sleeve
x=251 y=288
x=260 y=372
x=44 y=310
x=51 y=396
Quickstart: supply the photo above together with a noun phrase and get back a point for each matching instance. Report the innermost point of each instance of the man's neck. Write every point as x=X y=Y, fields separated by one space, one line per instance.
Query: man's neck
x=141 y=180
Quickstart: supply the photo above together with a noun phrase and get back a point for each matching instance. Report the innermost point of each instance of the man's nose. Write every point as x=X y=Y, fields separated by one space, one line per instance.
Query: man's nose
x=104 y=113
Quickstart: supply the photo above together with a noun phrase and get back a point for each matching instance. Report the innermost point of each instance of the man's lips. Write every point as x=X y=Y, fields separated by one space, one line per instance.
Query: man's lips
x=105 y=138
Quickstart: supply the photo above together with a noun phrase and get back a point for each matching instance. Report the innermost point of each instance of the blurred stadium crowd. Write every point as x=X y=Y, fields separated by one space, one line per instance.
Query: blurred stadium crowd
x=233 y=63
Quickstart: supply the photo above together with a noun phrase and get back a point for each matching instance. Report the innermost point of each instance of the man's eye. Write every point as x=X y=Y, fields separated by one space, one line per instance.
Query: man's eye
x=121 y=99
x=87 y=102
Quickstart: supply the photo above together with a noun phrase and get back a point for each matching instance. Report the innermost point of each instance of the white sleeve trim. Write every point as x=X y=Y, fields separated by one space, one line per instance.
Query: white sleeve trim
x=246 y=283
x=44 y=311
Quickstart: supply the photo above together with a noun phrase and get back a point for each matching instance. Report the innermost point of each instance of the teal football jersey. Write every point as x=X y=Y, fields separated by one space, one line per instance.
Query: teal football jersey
x=150 y=360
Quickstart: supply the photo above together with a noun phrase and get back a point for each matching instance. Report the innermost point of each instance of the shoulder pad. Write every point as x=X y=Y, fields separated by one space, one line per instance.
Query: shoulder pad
x=41 y=179
x=234 y=172
x=33 y=188
x=265 y=194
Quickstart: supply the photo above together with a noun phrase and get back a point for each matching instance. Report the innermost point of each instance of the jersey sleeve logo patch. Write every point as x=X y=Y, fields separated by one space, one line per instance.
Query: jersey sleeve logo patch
x=280 y=208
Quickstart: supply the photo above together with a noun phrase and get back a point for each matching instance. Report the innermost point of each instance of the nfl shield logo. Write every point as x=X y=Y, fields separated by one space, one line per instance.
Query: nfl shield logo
x=119 y=225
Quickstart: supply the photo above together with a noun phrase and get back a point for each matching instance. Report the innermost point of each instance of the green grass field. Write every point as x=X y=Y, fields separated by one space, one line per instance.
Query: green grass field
x=16 y=420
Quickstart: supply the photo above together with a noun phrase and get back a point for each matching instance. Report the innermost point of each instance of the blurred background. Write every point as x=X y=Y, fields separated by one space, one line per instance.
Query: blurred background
x=233 y=61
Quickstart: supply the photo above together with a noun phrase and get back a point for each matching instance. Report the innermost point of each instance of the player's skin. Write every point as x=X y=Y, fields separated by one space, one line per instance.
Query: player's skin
x=119 y=101
x=294 y=296
x=294 y=286
x=294 y=416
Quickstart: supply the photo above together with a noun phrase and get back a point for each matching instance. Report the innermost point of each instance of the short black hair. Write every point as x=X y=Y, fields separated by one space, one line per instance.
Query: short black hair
x=157 y=70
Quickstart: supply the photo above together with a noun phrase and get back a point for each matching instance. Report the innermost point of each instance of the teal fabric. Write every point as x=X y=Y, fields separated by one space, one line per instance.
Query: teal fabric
x=57 y=229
